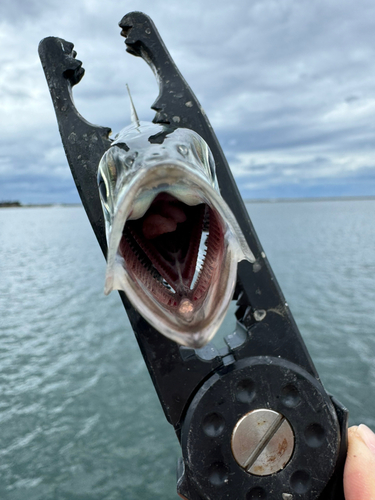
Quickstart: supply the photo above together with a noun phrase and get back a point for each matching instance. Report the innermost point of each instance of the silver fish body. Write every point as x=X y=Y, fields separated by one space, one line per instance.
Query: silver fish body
x=173 y=242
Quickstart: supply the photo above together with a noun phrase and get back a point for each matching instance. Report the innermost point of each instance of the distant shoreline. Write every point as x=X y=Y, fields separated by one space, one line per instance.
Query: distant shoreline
x=17 y=204
x=37 y=205
x=298 y=200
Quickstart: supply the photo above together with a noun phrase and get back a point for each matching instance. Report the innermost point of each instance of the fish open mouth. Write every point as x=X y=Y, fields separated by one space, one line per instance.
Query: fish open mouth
x=174 y=252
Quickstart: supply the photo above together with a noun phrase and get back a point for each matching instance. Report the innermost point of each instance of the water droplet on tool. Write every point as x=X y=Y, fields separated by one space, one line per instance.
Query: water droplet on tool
x=259 y=314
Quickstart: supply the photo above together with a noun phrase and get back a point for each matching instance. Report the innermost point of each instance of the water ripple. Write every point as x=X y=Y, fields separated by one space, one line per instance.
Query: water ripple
x=79 y=417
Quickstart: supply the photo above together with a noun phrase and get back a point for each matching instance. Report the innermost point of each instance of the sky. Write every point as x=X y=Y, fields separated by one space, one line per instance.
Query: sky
x=288 y=86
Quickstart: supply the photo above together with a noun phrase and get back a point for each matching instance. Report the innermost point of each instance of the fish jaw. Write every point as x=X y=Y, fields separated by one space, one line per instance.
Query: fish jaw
x=186 y=310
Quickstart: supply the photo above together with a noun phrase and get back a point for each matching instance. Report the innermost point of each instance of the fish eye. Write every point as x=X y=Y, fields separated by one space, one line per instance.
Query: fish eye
x=102 y=187
x=130 y=159
x=183 y=150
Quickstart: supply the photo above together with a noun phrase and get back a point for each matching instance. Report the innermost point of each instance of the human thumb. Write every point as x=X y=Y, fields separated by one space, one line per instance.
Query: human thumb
x=359 y=472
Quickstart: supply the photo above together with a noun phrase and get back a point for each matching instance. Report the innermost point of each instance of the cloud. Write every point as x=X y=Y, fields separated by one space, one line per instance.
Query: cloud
x=287 y=85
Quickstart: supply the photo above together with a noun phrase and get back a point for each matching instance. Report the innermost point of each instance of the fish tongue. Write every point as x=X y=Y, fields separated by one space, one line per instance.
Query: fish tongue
x=163 y=216
x=155 y=225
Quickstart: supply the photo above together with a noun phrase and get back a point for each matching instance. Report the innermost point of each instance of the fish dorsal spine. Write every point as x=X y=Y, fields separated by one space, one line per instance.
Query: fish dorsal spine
x=133 y=113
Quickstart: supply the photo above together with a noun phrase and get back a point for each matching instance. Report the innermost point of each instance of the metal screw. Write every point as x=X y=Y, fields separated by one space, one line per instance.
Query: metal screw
x=262 y=442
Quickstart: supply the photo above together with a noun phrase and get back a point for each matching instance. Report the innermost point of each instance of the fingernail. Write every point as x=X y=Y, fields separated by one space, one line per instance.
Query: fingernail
x=368 y=436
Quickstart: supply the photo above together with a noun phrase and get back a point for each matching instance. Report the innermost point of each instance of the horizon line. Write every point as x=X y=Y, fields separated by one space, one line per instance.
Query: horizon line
x=18 y=204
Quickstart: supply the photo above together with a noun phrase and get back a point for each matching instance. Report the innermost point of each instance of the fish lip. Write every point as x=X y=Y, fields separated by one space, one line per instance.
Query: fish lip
x=183 y=169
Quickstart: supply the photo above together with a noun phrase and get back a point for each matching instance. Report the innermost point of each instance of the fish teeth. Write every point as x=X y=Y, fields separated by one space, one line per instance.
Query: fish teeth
x=202 y=252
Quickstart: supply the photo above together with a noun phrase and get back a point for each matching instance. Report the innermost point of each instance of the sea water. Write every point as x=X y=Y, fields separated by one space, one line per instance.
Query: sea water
x=79 y=417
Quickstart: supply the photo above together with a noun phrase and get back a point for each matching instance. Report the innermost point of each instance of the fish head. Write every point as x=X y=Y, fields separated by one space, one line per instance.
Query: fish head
x=173 y=243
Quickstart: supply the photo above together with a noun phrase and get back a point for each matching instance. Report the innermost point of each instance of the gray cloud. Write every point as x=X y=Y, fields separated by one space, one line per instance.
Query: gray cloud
x=288 y=86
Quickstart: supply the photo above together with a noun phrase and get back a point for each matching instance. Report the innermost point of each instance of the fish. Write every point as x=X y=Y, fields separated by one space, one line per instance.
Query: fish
x=173 y=242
